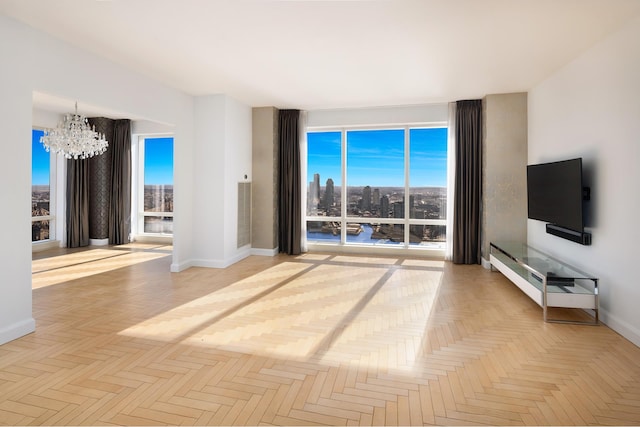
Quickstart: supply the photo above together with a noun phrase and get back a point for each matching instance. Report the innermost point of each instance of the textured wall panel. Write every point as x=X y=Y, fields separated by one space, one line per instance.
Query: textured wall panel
x=100 y=183
x=264 y=225
x=504 y=213
x=244 y=214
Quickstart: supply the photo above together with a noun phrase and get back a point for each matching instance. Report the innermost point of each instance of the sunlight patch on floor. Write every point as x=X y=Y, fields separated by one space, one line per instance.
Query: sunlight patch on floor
x=187 y=319
x=69 y=260
x=294 y=320
x=65 y=268
x=387 y=333
x=333 y=315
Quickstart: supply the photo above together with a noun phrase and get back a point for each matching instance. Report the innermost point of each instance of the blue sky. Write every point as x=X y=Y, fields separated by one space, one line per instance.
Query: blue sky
x=376 y=157
x=158 y=165
x=39 y=160
x=158 y=161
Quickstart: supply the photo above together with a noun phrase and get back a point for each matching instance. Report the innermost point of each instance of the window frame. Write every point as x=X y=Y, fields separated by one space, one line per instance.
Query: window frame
x=52 y=217
x=407 y=222
x=138 y=213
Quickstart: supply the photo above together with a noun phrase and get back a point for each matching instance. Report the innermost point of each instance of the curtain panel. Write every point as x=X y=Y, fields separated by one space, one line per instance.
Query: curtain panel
x=77 y=203
x=468 y=183
x=120 y=209
x=289 y=196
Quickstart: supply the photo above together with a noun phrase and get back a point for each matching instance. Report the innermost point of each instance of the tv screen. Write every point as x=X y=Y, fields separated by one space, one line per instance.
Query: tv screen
x=554 y=193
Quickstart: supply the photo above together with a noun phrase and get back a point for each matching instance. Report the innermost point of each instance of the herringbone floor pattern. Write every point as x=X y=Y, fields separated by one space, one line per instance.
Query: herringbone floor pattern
x=315 y=339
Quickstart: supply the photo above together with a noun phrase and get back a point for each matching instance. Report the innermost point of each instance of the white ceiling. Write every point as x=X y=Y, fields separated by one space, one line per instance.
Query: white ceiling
x=315 y=54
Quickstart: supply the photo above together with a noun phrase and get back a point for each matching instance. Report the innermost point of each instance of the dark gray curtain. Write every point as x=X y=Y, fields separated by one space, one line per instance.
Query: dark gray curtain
x=120 y=209
x=468 y=183
x=290 y=203
x=77 y=203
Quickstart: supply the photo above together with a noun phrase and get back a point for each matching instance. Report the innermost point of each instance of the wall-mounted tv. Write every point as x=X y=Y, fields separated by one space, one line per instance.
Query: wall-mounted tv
x=555 y=194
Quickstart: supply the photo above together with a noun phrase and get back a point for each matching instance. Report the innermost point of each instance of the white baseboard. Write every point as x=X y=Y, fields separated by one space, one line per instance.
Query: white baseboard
x=17 y=330
x=98 y=242
x=178 y=267
x=486 y=264
x=265 y=252
x=626 y=330
x=211 y=263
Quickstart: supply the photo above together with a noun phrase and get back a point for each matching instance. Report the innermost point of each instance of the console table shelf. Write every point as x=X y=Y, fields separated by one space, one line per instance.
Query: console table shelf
x=546 y=280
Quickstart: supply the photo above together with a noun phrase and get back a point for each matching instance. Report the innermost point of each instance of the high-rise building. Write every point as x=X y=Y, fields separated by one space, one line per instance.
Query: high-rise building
x=314 y=193
x=384 y=207
x=316 y=184
x=376 y=198
x=416 y=231
x=366 y=198
x=328 y=195
x=398 y=209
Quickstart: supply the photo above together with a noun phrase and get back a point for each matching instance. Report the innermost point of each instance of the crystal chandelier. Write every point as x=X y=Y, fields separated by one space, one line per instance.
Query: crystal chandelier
x=74 y=138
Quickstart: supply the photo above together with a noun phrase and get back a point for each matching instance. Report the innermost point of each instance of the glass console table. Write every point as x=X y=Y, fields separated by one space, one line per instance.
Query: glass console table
x=546 y=280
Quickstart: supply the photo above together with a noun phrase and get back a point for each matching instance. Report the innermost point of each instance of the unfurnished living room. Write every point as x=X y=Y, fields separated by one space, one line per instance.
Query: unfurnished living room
x=294 y=212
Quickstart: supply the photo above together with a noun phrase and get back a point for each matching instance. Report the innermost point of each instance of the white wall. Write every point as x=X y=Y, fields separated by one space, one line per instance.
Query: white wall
x=208 y=165
x=591 y=109
x=72 y=74
x=222 y=158
x=238 y=156
x=15 y=175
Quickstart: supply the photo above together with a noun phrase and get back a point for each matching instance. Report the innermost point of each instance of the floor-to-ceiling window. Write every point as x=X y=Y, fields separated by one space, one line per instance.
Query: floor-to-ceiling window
x=377 y=186
x=155 y=186
x=42 y=190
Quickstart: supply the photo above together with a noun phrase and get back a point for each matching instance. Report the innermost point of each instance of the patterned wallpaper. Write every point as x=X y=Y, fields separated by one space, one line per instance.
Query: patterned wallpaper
x=100 y=184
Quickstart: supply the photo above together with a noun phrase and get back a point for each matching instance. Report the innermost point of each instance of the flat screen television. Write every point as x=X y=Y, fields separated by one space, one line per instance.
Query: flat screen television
x=555 y=193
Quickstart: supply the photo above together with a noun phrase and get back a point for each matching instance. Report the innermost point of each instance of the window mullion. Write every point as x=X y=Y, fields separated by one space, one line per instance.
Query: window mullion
x=343 y=189
x=140 y=195
x=407 y=185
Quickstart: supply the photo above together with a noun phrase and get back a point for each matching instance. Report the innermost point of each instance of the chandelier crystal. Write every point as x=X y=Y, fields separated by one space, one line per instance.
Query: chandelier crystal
x=74 y=138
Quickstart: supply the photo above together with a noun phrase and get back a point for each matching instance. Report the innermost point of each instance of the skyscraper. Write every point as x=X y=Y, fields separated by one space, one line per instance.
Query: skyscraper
x=398 y=209
x=314 y=193
x=316 y=184
x=366 y=199
x=328 y=195
x=384 y=207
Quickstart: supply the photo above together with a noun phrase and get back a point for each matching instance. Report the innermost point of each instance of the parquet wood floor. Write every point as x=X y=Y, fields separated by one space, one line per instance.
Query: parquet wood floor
x=314 y=339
